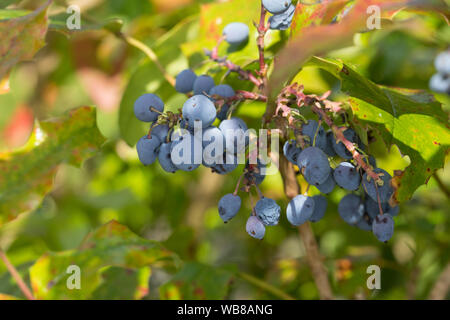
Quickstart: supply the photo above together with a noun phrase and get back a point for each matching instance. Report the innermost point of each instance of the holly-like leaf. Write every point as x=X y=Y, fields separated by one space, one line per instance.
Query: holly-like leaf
x=111 y=245
x=197 y=281
x=22 y=36
x=27 y=175
x=411 y=119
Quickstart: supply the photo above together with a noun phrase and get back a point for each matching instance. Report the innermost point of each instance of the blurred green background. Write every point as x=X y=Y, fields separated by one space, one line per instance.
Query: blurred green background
x=96 y=68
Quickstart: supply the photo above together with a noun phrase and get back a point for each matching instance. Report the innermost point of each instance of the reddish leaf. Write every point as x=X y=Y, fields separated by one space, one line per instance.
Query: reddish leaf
x=22 y=37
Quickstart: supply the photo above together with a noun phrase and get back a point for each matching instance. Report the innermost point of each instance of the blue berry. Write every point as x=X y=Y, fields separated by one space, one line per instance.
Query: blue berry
x=282 y=21
x=185 y=125
x=440 y=83
x=255 y=228
x=254 y=172
x=199 y=108
x=186 y=151
x=160 y=130
x=276 y=6
x=373 y=209
x=144 y=105
x=329 y=150
x=346 y=176
x=372 y=161
x=442 y=62
x=165 y=158
x=311 y=129
x=147 y=149
x=315 y=164
x=203 y=84
x=351 y=209
x=300 y=209
x=222 y=91
x=229 y=206
x=365 y=223
x=213 y=143
x=291 y=151
x=236 y=33
x=328 y=185
x=227 y=165
x=383 y=227
x=340 y=148
x=184 y=81
x=268 y=211
x=235 y=133
x=320 y=207
x=384 y=191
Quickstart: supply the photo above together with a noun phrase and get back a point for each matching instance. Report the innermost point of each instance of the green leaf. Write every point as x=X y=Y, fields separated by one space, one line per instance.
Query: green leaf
x=123 y=284
x=27 y=175
x=411 y=119
x=22 y=36
x=111 y=245
x=32 y=223
x=197 y=281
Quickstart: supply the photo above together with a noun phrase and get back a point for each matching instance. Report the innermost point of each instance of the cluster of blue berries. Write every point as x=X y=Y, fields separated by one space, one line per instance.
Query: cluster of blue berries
x=204 y=133
x=370 y=210
x=440 y=82
x=282 y=13
x=186 y=141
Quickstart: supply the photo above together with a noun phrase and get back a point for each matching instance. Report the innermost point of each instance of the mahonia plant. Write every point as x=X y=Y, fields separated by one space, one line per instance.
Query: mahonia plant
x=326 y=149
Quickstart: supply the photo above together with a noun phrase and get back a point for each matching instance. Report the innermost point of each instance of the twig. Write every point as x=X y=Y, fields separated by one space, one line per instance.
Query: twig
x=265 y=286
x=348 y=144
x=15 y=274
x=441 y=185
x=238 y=184
x=292 y=189
x=442 y=285
x=245 y=74
x=150 y=54
x=262 y=30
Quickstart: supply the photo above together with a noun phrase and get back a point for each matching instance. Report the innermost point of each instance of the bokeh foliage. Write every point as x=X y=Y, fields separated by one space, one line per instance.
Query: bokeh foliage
x=82 y=217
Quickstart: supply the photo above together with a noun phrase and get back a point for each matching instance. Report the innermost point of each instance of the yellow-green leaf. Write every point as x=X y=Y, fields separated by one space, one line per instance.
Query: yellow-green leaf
x=111 y=245
x=27 y=175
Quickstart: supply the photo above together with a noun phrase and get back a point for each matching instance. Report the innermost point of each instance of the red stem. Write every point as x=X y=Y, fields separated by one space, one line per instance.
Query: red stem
x=348 y=144
x=262 y=30
x=15 y=274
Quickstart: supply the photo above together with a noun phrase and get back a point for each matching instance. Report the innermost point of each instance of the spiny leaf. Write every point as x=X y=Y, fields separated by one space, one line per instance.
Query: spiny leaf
x=110 y=245
x=22 y=36
x=26 y=176
x=411 y=119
